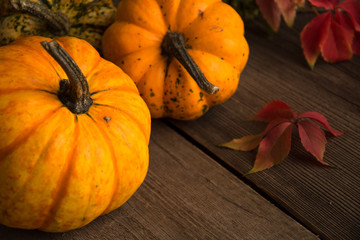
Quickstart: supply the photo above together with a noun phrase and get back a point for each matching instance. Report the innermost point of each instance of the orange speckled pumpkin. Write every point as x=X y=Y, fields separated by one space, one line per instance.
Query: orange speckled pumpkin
x=73 y=136
x=184 y=55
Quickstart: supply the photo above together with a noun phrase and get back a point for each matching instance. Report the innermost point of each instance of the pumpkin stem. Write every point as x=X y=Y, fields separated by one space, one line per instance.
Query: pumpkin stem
x=173 y=45
x=58 y=22
x=74 y=92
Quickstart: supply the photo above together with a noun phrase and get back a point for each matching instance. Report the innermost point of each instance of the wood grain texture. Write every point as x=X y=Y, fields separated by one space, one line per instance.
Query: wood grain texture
x=325 y=199
x=186 y=195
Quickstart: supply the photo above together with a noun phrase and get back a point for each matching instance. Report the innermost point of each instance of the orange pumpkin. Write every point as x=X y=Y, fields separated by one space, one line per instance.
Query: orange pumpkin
x=184 y=55
x=73 y=136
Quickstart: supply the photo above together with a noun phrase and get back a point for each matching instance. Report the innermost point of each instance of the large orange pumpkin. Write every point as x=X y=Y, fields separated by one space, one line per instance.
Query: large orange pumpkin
x=184 y=55
x=73 y=140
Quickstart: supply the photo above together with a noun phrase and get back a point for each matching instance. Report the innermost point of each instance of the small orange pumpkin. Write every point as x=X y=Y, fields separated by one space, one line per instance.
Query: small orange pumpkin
x=184 y=55
x=73 y=136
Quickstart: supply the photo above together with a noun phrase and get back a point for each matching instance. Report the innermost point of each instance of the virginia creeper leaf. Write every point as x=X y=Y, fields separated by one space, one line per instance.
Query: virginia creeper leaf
x=270 y=12
x=274 y=148
x=313 y=139
x=275 y=141
x=250 y=142
x=356 y=43
x=313 y=35
x=327 y=4
x=352 y=7
x=347 y=25
x=317 y=117
x=336 y=47
x=300 y=3
x=274 y=110
x=288 y=10
x=246 y=143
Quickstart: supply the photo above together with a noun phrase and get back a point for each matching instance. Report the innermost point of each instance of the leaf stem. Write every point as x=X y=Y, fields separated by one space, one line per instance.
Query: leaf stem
x=313 y=8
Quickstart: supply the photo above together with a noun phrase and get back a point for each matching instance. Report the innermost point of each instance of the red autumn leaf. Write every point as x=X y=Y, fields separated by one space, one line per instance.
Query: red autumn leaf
x=327 y=4
x=288 y=10
x=275 y=141
x=313 y=35
x=317 y=117
x=347 y=25
x=300 y=3
x=336 y=46
x=274 y=148
x=271 y=12
x=313 y=139
x=356 y=43
x=246 y=143
x=250 y=142
x=352 y=8
x=334 y=33
x=274 y=110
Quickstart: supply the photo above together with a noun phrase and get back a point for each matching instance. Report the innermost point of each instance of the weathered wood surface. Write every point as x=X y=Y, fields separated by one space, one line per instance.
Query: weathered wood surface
x=186 y=195
x=325 y=199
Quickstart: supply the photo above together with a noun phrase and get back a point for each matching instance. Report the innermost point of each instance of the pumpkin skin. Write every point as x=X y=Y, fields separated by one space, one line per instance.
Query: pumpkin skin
x=60 y=170
x=214 y=38
x=88 y=20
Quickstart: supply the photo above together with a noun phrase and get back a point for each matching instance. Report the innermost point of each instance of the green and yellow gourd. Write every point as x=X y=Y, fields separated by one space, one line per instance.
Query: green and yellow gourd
x=85 y=19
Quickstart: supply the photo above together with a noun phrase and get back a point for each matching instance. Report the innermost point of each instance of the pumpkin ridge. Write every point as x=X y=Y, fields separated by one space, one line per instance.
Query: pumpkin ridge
x=115 y=166
x=199 y=16
x=5 y=151
x=127 y=114
x=91 y=71
x=64 y=180
x=159 y=29
x=155 y=34
x=167 y=23
x=155 y=57
x=121 y=89
x=11 y=90
x=209 y=53
x=31 y=175
x=136 y=51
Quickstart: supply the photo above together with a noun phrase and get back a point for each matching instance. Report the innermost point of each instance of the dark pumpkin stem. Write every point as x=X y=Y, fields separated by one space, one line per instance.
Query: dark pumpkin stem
x=58 y=22
x=74 y=92
x=173 y=45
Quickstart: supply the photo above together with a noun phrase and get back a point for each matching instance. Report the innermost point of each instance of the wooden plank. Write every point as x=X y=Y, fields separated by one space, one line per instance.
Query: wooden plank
x=186 y=195
x=326 y=199
x=287 y=40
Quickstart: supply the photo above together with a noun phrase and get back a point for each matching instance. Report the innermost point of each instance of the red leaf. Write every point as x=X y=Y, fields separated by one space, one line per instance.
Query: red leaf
x=313 y=139
x=346 y=23
x=352 y=7
x=270 y=12
x=336 y=47
x=246 y=143
x=274 y=110
x=356 y=43
x=250 y=142
x=321 y=120
x=275 y=141
x=313 y=35
x=274 y=148
x=288 y=10
x=327 y=4
x=300 y=3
